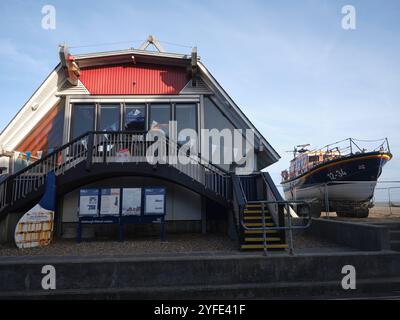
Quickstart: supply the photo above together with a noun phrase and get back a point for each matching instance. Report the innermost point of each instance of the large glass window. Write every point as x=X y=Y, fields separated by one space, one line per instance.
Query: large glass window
x=82 y=119
x=135 y=117
x=109 y=117
x=214 y=119
x=160 y=115
x=186 y=118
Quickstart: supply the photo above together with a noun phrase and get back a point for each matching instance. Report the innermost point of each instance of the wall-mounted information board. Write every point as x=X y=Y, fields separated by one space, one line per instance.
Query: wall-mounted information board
x=122 y=206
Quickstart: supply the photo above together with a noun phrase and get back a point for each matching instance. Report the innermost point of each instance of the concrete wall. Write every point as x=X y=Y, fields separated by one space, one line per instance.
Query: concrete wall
x=199 y=276
x=365 y=237
x=182 y=204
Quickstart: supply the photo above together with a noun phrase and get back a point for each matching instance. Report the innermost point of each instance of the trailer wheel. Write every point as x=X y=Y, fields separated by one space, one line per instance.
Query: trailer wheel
x=314 y=211
x=355 y=213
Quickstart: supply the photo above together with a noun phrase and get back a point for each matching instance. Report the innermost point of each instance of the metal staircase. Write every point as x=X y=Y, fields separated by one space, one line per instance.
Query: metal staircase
x=259 y=212
x=255 y=215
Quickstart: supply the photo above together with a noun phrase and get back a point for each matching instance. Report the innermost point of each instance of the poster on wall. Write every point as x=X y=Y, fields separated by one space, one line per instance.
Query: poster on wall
x=109 y=204
x=131 y=201
x=88 y=202
x=154 y=199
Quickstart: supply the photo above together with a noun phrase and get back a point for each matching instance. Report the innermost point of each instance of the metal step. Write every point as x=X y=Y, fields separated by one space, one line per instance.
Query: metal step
x=395 y=235
x=257 y=218
x=395 y=245
x=255 y=211
x=260 y=231
x=257 y=224
x=253 y=205
x=258 y=239
x=261 y=246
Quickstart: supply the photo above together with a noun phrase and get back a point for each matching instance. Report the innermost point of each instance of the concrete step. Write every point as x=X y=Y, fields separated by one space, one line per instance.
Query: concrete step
x=395 y=245
x=394 y=235
x=97 y=272
x=377 y=288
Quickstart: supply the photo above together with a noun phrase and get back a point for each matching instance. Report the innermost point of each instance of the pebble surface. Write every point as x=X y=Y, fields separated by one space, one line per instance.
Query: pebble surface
x=184 y=243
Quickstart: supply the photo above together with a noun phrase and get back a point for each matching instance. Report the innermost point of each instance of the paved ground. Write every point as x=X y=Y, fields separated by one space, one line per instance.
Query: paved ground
x=175 y=243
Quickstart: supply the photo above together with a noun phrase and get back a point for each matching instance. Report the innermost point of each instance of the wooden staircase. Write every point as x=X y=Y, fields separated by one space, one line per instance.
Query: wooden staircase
x=254 y=239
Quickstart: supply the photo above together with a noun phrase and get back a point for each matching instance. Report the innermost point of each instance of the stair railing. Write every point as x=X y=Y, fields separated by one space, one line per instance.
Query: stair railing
x=290 y=227
x=105 y=147
x=276 y=203
x=32 y=177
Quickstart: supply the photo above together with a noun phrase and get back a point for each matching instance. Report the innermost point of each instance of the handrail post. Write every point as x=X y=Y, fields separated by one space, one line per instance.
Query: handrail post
x=290 y=230
x=264 y=229
x=351 y=146
x=326 y=200
x=89 y=156
x=9 y=191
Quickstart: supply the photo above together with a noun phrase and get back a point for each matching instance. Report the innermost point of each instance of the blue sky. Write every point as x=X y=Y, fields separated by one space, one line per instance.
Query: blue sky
x=288 y=64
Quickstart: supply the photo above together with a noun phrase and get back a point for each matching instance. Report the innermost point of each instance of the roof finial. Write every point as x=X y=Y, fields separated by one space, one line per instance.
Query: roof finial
x=152 y=40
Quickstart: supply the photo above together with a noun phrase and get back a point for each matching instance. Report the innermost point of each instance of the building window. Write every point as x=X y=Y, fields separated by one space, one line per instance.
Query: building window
x=135 y=117
x=83 y=116
x=110 y=115
x=186 y=118
x=160 y=115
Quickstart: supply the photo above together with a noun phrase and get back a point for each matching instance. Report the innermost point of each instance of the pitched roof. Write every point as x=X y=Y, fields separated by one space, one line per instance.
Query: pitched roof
x=126 y=65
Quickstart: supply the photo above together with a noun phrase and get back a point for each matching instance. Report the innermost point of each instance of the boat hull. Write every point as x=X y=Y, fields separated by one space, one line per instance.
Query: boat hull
x=342 y=181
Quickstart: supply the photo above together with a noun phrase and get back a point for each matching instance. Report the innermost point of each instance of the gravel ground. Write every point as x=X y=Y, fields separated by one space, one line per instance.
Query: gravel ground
x=175 y=244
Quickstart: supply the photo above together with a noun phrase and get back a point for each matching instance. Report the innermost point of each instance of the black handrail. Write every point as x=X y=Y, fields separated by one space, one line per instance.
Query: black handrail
x=219 y=183
x=48 y=156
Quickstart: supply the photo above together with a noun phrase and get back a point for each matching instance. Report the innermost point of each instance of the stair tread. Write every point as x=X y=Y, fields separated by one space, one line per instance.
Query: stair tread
x=260 y=231
x=261 y=246
x=258 y=239
x=257 y=218
x=258 y=224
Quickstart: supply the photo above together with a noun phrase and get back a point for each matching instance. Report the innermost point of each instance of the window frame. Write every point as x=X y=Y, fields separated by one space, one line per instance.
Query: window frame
x=94 y=125
x=171 y=107
x=133 y=104
x=98 y=116
x=196 y=106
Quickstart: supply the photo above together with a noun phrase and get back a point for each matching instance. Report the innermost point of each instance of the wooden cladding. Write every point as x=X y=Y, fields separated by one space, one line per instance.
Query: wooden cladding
x=47 y=134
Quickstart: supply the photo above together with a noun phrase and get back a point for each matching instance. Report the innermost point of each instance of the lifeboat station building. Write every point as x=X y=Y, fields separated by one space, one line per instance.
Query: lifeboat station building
x=89 y=124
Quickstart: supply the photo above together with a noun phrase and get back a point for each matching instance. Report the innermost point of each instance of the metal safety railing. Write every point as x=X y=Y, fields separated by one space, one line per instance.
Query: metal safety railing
x=286 y=205
x=279 y=209
x=110 y=147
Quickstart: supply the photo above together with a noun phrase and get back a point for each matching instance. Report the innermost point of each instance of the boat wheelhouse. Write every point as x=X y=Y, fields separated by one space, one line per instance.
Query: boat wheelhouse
x=89 y=121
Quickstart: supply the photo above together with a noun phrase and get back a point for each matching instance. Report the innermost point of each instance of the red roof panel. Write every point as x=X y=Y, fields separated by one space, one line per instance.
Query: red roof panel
x=134 y=79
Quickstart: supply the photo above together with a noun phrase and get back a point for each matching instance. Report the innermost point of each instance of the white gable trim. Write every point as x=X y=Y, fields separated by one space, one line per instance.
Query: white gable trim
x=69 y=89
x=218 y=87
x=201 y=88
x=33 y=111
